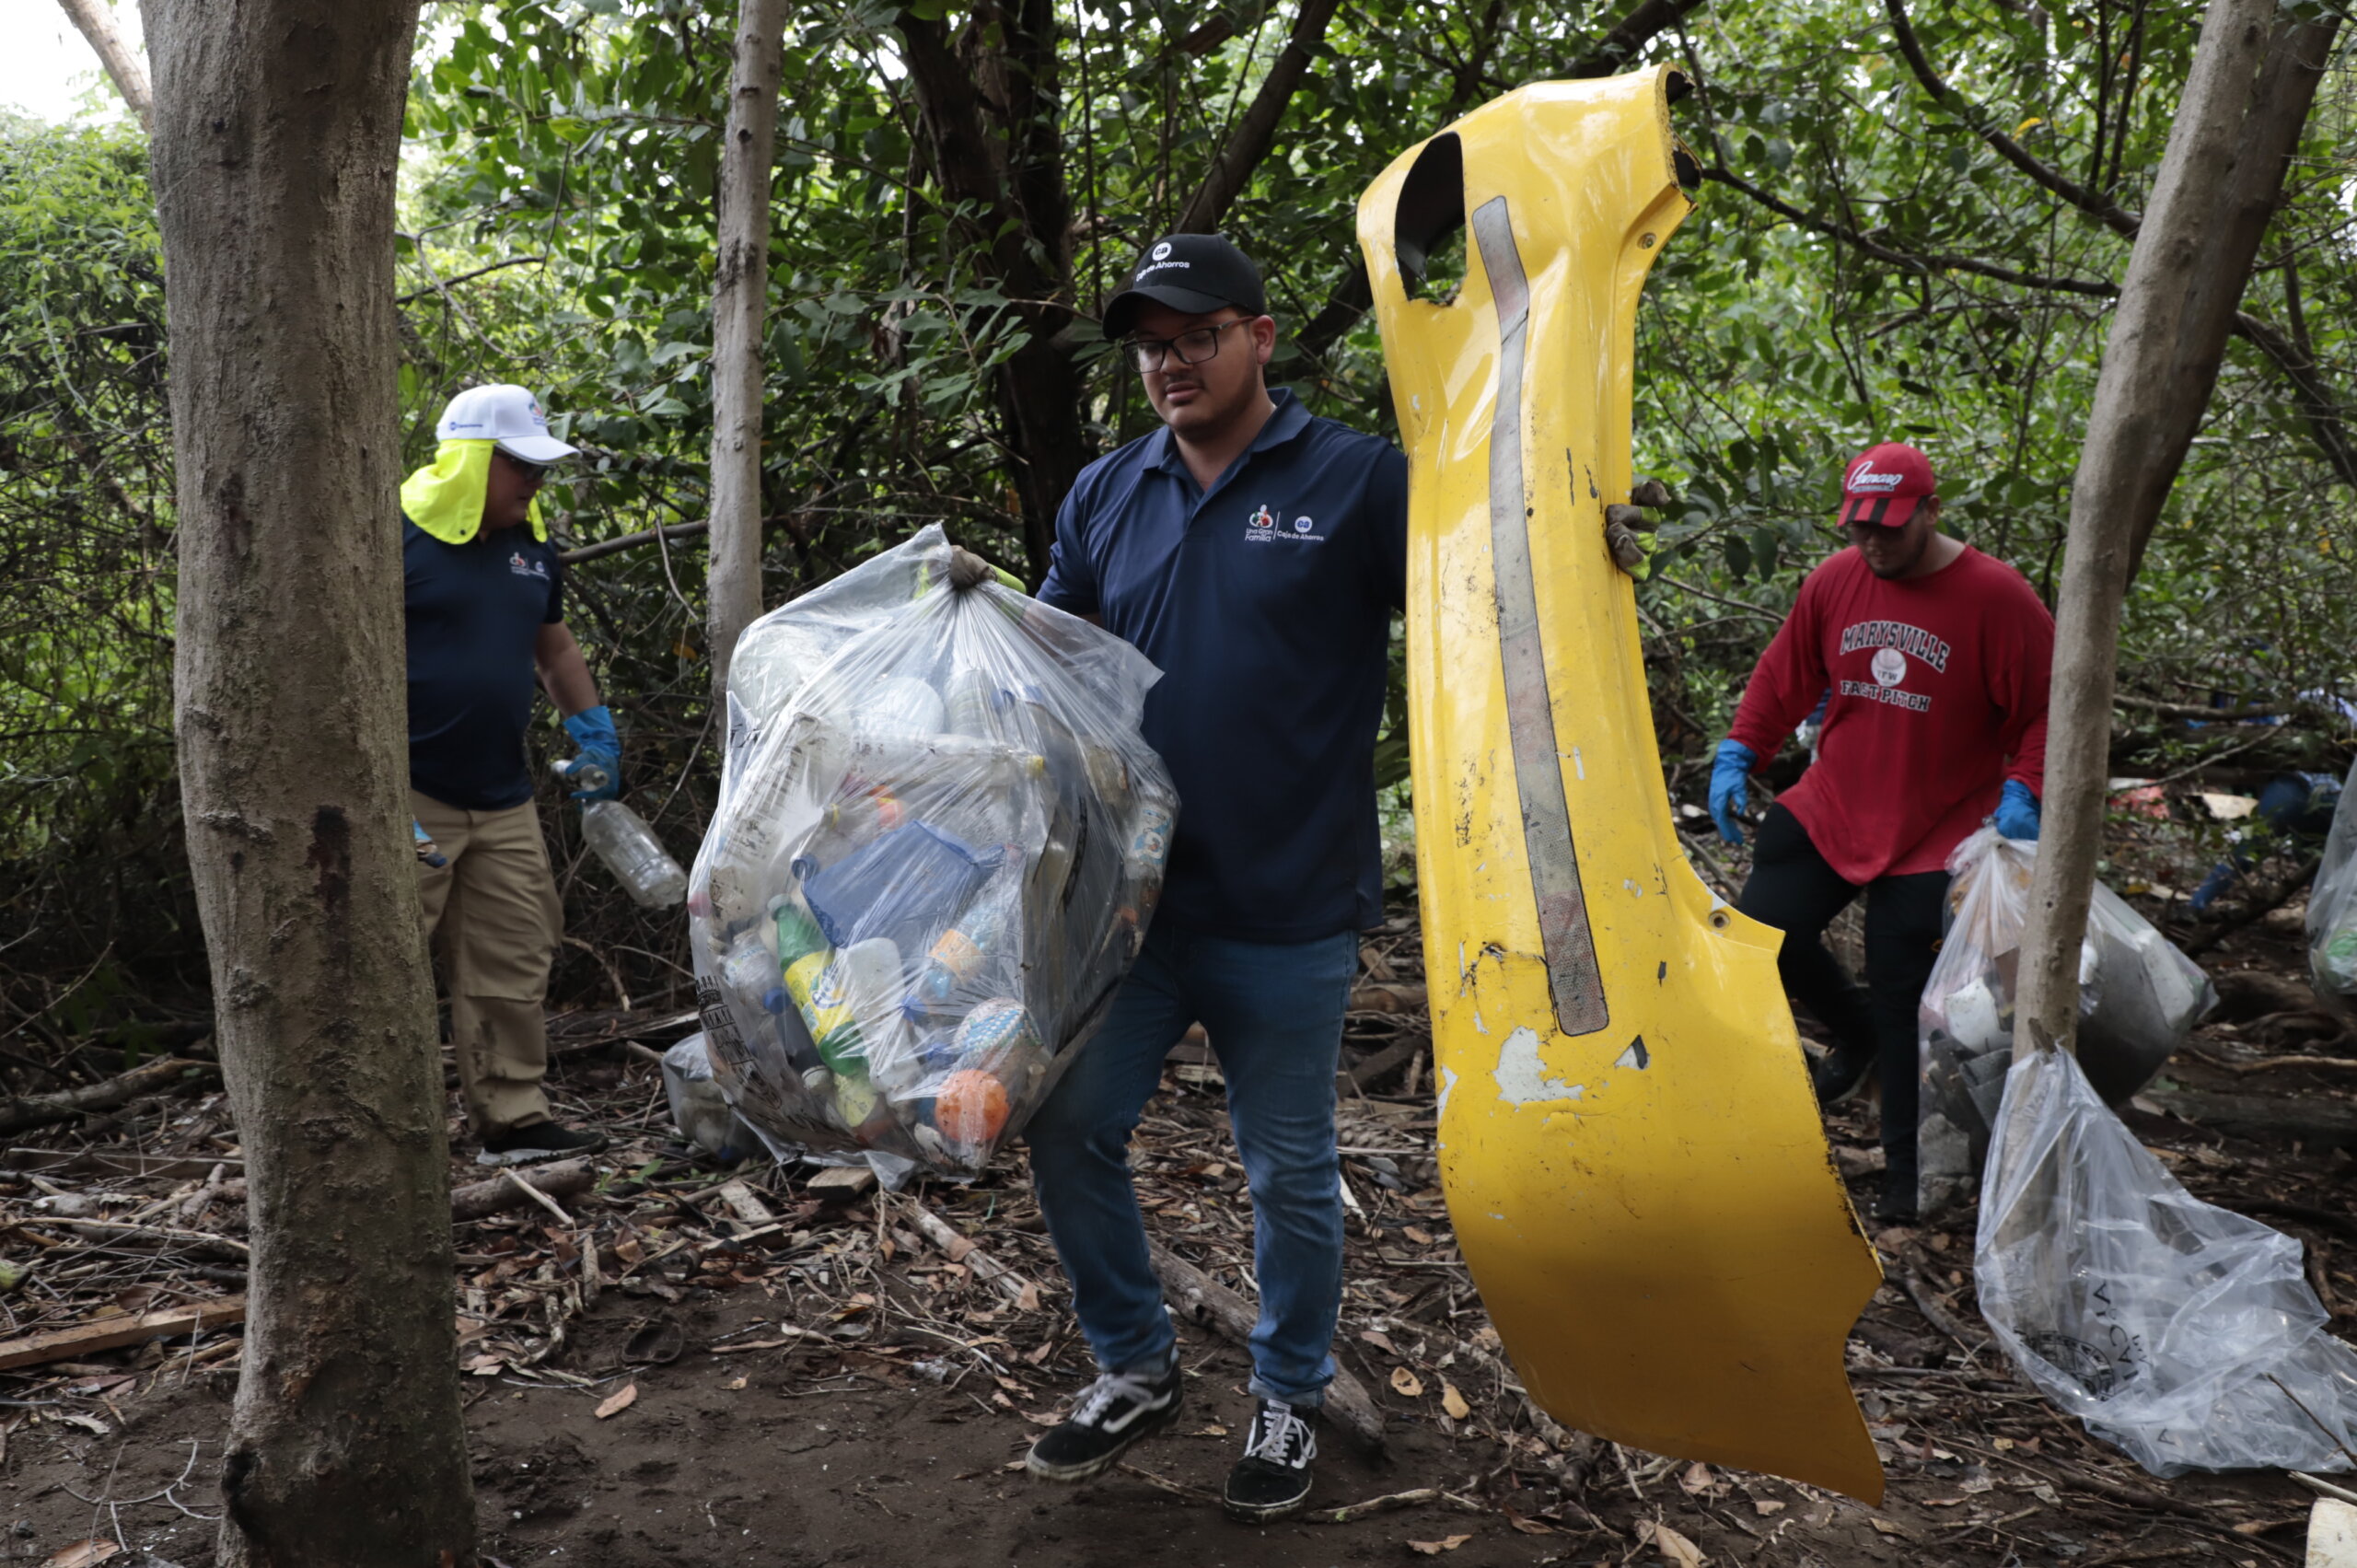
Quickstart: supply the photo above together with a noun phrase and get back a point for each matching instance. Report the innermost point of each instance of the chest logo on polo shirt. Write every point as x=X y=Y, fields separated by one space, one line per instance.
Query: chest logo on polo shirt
x=525 y=567
x=1261 y=528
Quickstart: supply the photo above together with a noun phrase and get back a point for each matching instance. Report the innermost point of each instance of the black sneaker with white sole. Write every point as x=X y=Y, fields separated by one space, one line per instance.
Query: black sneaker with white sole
x=1114 y=1412
x=1272 y=1478
x=541 y=1141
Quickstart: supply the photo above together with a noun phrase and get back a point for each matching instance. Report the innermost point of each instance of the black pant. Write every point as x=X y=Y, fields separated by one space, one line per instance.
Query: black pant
x=1793 y=890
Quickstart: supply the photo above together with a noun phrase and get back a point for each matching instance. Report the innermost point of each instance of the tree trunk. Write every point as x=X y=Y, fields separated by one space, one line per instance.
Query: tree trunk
x=2244 y=101
x=740 y=293
x=989 y=117
x=276 y=138
x=96 y=18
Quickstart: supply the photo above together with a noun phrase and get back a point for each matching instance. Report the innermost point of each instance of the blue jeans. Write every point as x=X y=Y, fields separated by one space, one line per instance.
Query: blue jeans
x=1274 y=1014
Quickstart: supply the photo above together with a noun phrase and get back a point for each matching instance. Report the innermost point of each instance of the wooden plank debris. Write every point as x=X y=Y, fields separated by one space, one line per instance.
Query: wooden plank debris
x=113 y=1333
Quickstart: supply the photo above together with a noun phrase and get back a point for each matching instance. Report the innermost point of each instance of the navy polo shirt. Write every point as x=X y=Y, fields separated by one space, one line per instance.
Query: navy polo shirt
x=1267 y=603
x=473 y=613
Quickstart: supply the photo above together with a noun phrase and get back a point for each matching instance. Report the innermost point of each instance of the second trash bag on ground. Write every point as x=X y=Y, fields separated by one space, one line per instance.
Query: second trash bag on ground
x=2183 y=1334
x=2138 y=999
x=939 y=841
x=2333 y=910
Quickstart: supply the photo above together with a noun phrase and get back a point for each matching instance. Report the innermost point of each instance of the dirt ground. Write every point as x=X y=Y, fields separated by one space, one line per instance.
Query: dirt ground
x=828 y=1385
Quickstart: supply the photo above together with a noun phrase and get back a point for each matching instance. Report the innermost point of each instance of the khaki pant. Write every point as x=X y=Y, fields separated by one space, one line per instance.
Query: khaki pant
x=494 y=919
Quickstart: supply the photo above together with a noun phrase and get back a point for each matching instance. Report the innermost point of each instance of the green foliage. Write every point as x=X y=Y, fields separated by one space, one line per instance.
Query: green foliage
x=89 y=850
x=1863 y=265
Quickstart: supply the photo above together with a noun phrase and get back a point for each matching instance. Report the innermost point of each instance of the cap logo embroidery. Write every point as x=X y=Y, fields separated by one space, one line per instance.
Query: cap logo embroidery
x=1162 y=249
x=1864 y=479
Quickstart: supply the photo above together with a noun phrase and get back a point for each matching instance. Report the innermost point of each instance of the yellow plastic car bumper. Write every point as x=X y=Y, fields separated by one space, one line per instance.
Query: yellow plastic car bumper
x=1631 y=1152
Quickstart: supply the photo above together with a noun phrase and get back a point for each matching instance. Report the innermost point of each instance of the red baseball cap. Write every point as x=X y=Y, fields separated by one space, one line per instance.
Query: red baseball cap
x=1883 y=484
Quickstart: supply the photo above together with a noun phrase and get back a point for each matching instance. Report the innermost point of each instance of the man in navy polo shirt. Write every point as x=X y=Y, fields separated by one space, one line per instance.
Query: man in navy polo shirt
x=483 y=604
x=1256 y=554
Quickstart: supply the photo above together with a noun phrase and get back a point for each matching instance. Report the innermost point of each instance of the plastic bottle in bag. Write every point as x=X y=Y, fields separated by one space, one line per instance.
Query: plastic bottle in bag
x=621 y=839
x=991 y=929
x=2337 y=958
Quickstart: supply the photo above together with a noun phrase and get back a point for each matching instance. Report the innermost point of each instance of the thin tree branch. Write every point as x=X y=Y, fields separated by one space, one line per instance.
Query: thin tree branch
x=1630 y=35
x=1256 y=132
x=465 y=277
x=1912 y=261
x=2109 y=212
x=2319 y=401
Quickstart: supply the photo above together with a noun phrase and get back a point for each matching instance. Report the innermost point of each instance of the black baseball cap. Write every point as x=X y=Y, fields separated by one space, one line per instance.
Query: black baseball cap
x=1193 y=273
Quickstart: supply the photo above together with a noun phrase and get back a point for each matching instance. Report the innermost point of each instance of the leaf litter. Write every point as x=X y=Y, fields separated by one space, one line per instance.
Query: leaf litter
x=793 y=1285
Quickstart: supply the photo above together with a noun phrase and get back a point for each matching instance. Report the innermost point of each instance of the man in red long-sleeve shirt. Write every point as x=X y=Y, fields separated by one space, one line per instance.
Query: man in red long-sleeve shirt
x=1936 y=659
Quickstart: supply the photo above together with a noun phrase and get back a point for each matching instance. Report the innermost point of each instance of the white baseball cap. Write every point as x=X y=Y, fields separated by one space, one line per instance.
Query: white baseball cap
x=509 y=416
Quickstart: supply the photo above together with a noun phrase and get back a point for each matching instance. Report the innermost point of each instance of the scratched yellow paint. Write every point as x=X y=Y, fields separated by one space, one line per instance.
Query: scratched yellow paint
x=1644 y=1197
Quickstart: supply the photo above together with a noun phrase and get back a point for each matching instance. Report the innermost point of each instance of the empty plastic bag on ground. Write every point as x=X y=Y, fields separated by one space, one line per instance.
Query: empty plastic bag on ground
x=939 y=841
x=2333 y=910
x=2138 y=999
x=2183 y=1334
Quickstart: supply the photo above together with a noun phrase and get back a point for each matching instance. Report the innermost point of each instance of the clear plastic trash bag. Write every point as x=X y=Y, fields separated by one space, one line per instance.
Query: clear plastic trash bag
x=2333 y=910
x=933 y=860
x=2138 y=999
x=2182 y=1335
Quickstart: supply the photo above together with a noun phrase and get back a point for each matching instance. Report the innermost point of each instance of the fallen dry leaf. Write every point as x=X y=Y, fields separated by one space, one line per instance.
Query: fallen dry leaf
x=1696 y=1480
x=1435 y=1548
x=83 y=1553
x=734 y=1385
x=1454 y=1402
x=1674 y=1548
x=1764 y=1506
x=616 y=1403
x=1418 y=1235
x=1379 y=1340
x=1406 y=1382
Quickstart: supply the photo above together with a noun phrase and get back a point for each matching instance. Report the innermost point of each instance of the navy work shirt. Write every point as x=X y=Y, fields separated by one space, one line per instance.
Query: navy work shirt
x=1267 y=603
x=474 y=613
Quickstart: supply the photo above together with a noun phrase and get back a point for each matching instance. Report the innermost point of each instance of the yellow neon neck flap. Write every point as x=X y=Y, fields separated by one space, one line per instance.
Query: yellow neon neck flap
x=446 y=497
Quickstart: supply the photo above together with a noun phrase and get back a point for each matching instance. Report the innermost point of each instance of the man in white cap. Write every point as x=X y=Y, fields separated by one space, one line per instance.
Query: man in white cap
x=483 y=595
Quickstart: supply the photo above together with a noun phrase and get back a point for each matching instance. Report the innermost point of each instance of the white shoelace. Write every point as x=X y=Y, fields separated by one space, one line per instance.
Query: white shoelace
x=1280 y=1436
x=1111 y=1386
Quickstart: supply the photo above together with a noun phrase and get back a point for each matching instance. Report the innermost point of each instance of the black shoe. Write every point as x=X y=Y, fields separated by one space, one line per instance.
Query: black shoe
x=1272 y=1478
x=1837 y=1077
x=1896 y=1204
x=541 y=1141
x=1114 y=1412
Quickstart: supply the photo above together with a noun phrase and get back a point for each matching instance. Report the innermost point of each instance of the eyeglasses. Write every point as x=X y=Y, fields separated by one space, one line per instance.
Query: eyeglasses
x=531 y=470
x=1192 y=347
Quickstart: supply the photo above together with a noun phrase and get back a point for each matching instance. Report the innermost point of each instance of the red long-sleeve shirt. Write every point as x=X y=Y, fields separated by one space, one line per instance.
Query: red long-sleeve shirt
x=1939 y=696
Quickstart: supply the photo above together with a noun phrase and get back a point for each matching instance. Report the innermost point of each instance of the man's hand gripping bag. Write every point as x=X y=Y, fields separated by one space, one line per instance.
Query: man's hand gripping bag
x=1630 y=1145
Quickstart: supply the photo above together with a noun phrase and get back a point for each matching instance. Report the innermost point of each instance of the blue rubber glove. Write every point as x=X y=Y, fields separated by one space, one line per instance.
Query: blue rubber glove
x=1730 y=787
x=601 y=754
x=2017 y=812
x=429 y=854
